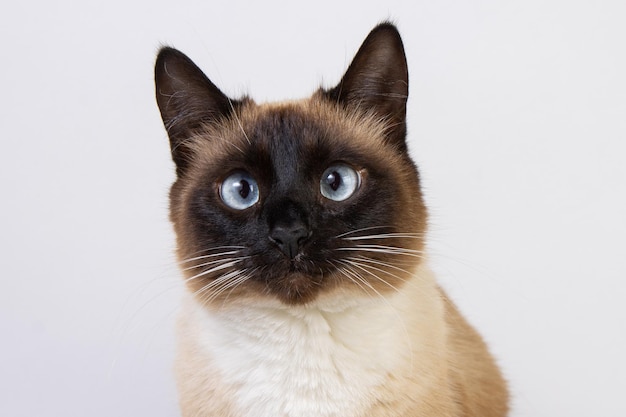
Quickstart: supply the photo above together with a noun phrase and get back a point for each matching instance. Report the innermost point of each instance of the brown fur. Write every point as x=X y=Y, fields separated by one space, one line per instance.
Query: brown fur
x=365 y=133
x=436 y=365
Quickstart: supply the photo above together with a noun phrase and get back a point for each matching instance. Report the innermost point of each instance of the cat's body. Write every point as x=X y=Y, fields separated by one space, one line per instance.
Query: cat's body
x=301 y=228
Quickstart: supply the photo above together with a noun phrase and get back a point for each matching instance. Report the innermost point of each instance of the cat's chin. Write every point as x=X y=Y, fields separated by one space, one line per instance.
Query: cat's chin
x=296 y=288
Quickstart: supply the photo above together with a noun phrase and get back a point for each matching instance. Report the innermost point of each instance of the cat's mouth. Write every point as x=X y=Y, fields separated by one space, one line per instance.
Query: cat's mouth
x=296 y=287
x=294 y=282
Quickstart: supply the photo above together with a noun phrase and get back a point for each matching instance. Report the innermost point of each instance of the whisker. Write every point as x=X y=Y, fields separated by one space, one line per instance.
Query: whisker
x=387 y=250
x=358 y=261
x=347 y=271
x=239 y=278
x=237 y=282
x=215 y=283
x=391 y=248
x=214 y=269
x=217 y=261
x=384 y=281
x=218 y=284
x=385 y=264
x=361 y=230
x=215 y=254
x=209 y=263
x=387 y=236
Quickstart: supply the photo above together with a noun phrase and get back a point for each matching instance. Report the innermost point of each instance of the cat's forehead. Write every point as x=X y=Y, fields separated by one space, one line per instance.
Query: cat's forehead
x=291 y=132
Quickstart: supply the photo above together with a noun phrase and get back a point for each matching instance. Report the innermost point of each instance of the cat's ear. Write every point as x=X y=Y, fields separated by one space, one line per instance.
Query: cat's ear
x=186 y=99
x=377 y=81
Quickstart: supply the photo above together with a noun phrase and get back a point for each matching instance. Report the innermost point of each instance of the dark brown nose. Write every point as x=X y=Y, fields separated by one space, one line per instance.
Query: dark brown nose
x=289 y=239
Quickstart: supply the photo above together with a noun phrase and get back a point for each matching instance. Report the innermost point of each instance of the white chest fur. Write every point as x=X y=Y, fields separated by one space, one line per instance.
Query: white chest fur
x=317 y=361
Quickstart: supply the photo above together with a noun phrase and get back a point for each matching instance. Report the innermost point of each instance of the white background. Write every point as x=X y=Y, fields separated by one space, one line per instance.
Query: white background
x=516 y=118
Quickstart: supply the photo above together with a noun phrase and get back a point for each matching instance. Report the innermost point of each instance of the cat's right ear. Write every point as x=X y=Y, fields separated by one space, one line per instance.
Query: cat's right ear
x=187 y=99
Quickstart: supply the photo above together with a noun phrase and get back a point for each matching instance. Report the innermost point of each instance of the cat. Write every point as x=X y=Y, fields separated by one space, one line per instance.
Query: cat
x=300 y=230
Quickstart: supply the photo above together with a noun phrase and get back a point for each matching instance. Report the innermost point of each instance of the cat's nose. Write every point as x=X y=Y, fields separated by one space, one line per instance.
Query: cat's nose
x=289 y=238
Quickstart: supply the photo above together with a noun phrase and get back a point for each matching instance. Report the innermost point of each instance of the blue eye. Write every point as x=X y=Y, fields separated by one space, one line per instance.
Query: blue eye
x=239 y=191
x=339 y=182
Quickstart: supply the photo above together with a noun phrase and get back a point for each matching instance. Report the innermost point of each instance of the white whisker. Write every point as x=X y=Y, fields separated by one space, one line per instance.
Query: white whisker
x=367 y=266
x=361 y=230
x=233 y=281
x=388 y=250
x=348 y=272
x=210 y=249
x=218 y=285
x=214 y=269
x=377 y=262
x=387 y=236
x=216 y=261
x=364 y=267
x=237 y=282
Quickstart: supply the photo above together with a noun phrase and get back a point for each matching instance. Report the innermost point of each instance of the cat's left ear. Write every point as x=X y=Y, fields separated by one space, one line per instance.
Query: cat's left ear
x=377 y=81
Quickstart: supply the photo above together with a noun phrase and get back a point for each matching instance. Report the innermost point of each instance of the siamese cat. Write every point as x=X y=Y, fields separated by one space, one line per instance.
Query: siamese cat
x=301 y=233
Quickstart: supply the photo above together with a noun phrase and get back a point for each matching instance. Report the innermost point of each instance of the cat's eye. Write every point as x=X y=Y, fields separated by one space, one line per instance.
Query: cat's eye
x=239 y=191
x=339 y=182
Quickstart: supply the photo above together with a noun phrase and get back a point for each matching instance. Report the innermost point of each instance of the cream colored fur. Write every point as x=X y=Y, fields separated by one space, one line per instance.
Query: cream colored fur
x=345 y=355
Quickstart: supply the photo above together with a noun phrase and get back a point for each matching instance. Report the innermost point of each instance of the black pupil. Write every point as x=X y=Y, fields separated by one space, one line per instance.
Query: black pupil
x=244 y=188
x=334 y=180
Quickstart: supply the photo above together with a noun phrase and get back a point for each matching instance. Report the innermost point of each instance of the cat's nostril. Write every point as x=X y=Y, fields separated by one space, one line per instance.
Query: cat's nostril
x=289 y=239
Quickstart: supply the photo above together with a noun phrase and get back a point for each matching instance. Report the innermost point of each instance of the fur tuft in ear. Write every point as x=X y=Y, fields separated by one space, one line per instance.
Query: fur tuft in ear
x=186 y=99
x=377 y=81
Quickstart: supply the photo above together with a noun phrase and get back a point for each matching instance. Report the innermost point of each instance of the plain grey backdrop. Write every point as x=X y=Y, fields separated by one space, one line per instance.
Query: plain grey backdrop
x=516 y=119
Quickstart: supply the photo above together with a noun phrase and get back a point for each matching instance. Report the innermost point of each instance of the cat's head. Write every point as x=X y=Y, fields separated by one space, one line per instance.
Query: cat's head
x=294 y=200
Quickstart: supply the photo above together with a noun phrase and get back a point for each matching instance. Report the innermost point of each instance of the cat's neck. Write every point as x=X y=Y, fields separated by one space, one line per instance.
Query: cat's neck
x=268 y=350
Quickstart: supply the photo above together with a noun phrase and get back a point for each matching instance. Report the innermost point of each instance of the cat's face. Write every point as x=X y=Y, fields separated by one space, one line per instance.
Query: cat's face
x=294 y=200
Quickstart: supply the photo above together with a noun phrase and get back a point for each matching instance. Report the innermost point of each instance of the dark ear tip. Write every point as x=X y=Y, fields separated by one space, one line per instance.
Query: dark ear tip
x=386 y=32
x=173 y=66
x=168 y=54
x=386 y=26
x=164 y=55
